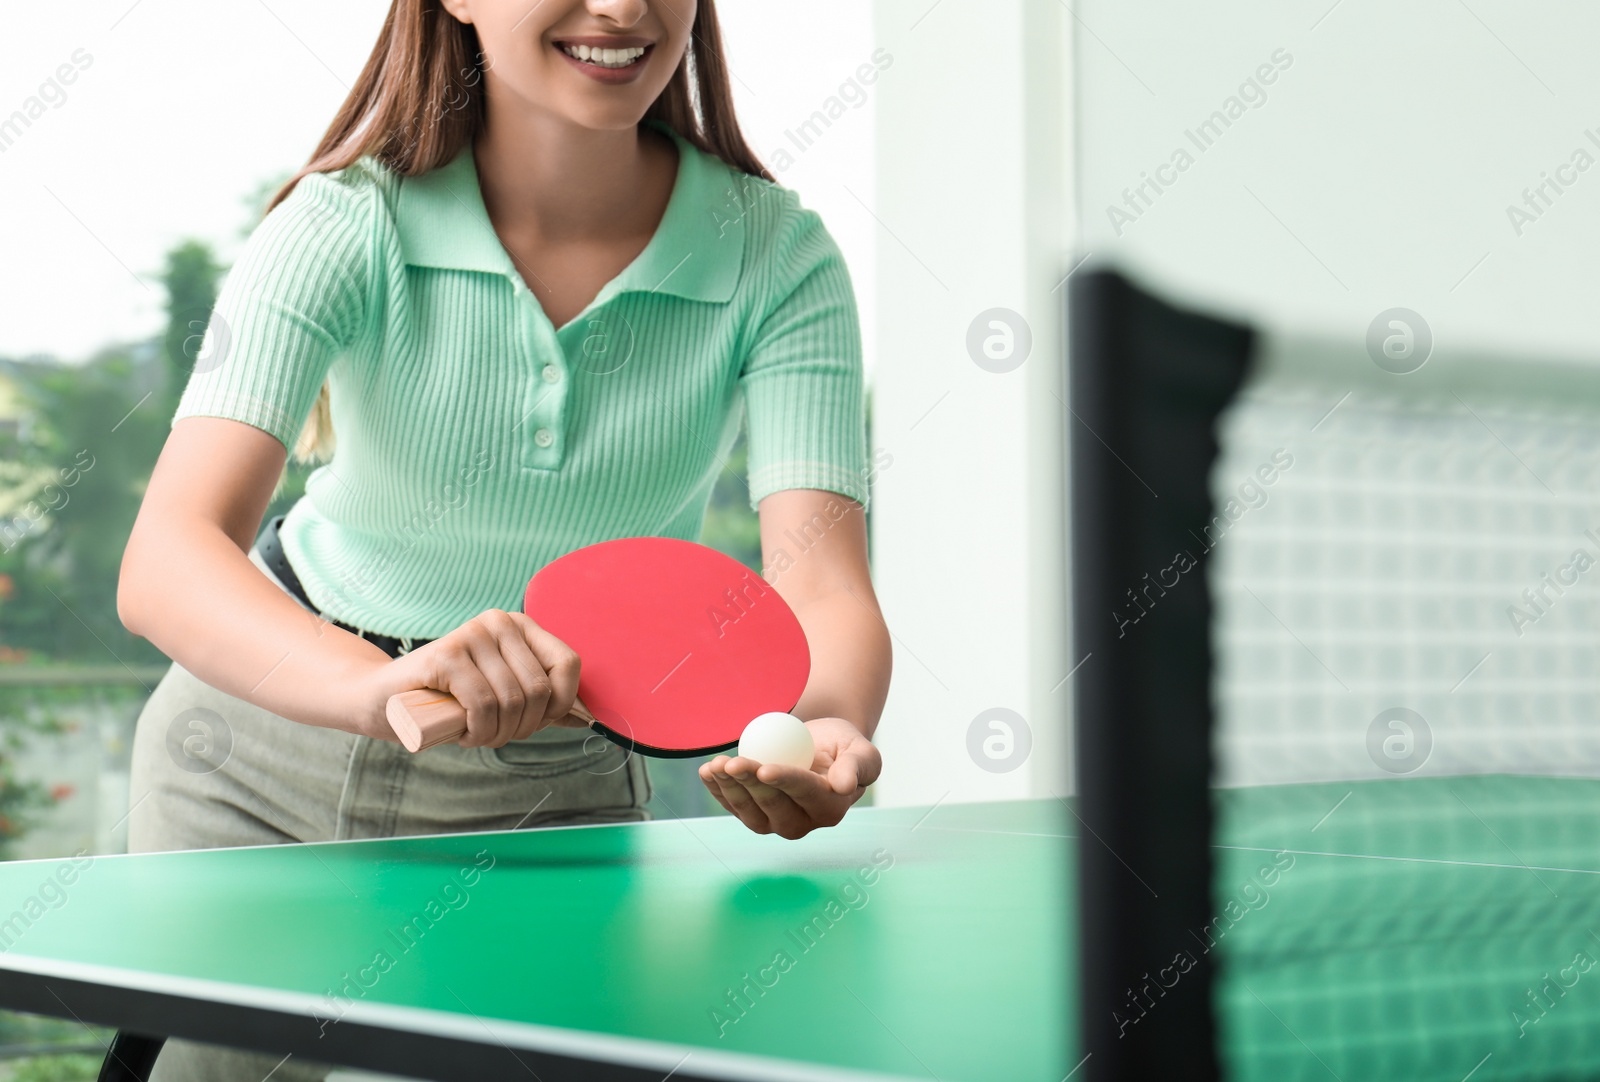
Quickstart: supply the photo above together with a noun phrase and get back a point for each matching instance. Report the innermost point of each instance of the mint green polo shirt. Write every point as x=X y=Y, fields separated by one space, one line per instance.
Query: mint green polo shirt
x=476 y=441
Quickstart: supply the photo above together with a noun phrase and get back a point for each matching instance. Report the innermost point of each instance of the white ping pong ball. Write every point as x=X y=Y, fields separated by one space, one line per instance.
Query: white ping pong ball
x=778 y=738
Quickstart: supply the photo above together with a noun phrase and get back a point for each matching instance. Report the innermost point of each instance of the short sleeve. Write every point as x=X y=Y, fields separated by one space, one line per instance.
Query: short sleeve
x=803 y=383
x=294 y=300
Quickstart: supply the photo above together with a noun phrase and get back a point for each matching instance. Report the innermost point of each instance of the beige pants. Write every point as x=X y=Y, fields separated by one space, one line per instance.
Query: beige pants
x=211 y=770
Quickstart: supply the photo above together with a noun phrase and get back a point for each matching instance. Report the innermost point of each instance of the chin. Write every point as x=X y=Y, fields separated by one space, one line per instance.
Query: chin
x=614 y=118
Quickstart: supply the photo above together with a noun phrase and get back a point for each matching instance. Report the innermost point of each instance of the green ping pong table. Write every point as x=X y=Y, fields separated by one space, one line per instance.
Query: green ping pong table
x=903 y=943
x=1426 y=929
x=1411 y=929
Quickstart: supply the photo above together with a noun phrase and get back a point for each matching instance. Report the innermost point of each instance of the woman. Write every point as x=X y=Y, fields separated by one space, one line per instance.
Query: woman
x=532 y=285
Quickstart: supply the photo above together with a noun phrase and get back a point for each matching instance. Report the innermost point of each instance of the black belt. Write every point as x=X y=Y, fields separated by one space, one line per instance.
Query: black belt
x=272 y=555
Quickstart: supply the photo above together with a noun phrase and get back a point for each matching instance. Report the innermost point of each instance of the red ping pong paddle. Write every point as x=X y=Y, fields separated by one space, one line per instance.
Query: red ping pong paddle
x=681 y=647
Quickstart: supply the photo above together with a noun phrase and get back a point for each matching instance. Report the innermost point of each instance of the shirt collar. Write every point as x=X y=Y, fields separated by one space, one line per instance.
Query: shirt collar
x=696 y=251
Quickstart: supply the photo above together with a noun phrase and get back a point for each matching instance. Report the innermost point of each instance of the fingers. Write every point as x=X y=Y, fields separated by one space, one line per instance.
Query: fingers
x=856 y=767
x=791 y=801
x=495 y=666
x=732 y=794
x=713 y=787
x=801 y=786
x=842 y=775
x=815 y=801
x=521 y=687
x=850 y=761
x=559 y=665
x=451 y=668
x=786 y=818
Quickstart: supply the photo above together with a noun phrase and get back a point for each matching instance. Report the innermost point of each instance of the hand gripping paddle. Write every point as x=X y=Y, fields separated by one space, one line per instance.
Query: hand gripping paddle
x=681 y=646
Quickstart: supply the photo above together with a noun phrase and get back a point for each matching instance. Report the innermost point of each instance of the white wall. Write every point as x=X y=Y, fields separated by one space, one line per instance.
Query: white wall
x=1378 y=170
x=973 y=202
x=1377 y=173
x=783 y=71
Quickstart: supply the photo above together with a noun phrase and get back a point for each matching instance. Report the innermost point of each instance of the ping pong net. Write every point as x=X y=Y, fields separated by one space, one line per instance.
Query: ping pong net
x=1338 y=733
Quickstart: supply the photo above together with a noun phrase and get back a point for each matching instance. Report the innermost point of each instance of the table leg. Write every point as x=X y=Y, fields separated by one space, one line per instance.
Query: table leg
x=131 y=1057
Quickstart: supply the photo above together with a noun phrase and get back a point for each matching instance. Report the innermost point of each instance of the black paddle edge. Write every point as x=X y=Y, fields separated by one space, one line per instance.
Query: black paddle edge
x=277 y=1032
x=659 y=753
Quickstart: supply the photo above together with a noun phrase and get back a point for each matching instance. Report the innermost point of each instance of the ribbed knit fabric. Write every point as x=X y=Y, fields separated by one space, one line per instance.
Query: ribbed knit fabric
x=475 y=441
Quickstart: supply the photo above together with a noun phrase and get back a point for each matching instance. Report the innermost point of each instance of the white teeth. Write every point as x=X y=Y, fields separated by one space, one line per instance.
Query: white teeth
x=604 y=58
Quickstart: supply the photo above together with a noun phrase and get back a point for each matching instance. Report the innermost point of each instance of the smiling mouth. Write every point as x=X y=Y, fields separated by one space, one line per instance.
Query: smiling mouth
x=607 y=59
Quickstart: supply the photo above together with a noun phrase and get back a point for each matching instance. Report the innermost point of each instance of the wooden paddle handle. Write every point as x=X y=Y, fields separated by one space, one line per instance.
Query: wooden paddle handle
x=425 y=718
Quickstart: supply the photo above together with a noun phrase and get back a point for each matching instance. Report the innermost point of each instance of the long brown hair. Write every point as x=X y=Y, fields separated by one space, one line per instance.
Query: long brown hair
x=420 y=99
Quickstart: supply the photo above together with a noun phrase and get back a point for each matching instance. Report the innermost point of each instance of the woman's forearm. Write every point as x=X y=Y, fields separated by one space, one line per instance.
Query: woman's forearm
x=188 y=588
x=851 y=657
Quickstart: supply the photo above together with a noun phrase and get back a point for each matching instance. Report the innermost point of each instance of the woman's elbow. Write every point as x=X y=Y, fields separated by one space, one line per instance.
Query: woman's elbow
x=127 y=607
x=133 y=582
